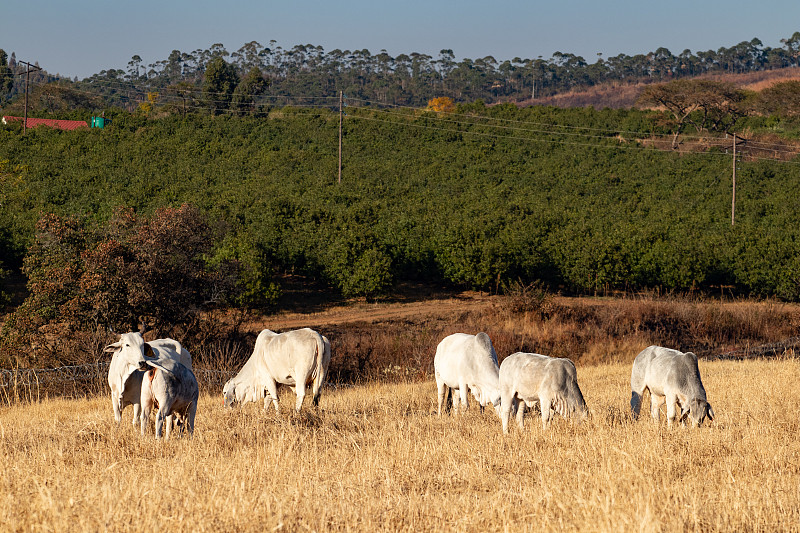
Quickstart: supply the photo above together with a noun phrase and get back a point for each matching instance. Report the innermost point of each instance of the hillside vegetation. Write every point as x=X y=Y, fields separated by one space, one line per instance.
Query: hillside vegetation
x=569 y=197
x=578 y=201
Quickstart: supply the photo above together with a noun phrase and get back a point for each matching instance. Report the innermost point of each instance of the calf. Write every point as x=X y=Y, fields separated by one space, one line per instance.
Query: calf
x=672 y=377
x=533 y=378
x=170 y=386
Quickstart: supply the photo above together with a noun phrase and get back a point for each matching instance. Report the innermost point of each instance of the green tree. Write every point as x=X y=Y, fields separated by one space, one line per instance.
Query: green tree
x=244 y=95
x=219 y=84
x=6 y=76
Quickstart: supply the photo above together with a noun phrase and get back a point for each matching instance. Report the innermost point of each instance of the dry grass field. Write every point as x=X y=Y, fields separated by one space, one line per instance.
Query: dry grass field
x=375 y=457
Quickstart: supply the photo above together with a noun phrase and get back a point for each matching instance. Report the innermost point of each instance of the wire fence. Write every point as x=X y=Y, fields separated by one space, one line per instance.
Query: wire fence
x=785 y=347
x=28 y=384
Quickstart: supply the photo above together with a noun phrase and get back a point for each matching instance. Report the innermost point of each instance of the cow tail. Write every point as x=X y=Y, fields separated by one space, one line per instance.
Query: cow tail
x=319 y=369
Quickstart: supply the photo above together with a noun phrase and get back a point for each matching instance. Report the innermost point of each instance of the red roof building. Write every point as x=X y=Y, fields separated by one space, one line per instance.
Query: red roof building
x=52 y=123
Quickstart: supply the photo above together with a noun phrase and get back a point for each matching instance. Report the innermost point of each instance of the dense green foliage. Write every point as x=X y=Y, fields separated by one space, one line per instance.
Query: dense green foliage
x=426 y=197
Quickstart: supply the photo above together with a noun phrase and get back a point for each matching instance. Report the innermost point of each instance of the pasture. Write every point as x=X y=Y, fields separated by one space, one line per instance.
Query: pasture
x=375 y=457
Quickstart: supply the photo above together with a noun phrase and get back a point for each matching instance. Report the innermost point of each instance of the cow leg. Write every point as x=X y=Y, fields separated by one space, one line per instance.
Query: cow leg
x=672 y=412
x=442 y=391
x=520 y=405
x=137 y=413
x=300 y=389
x=463 y=392
x=507 y=402
x=189 y=421
x=159 y=423
x=144 y=418
x=545 y=404
x=317 y=387
x=272 y=393
x=656 y=402
x=115 y=404
x=168 y=421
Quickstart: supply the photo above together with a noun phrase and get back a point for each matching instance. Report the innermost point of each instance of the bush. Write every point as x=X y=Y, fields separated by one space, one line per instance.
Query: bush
x=132 y=270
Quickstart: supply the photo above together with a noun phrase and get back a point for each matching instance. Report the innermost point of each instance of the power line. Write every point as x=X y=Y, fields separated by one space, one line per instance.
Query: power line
x=458 y=120
x=543 y=140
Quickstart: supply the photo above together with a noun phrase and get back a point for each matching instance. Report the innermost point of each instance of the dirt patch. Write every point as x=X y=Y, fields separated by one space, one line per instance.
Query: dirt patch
x=370 y=313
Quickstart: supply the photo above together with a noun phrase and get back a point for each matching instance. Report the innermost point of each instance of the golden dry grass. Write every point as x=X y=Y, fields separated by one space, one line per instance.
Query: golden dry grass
x=376 y=458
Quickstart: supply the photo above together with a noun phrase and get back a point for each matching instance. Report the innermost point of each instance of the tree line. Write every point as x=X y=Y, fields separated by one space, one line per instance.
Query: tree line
x=307 y=70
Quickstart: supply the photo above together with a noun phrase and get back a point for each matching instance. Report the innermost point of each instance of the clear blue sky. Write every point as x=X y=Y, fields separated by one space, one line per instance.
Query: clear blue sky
x=83 y=37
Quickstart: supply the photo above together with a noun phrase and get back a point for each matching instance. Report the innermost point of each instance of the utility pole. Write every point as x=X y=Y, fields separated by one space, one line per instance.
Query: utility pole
x=27 y=78
x=733 y=196
x=341 y=98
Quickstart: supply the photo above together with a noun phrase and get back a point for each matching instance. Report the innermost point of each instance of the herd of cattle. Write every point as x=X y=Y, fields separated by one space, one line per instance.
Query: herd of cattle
x=159 y=374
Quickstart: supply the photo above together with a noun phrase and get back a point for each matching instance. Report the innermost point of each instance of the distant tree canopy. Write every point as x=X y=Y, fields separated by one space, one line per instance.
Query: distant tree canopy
x=307 y=71
x=6 y=76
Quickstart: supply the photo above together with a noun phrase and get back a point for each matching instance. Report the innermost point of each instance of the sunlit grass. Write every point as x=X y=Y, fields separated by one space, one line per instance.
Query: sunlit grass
x=376 y=457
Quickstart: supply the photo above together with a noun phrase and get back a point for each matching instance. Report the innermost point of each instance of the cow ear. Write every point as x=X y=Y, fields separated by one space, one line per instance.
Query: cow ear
x=684 y=414
x=710 y=413
x=111 y=348
x=148 y=351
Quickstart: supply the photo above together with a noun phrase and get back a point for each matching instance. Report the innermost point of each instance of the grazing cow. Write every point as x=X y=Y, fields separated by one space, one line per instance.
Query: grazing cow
x=672 y=377
x=124 y=376
x=533 y=378
x=298 y=358
x=172 y=387
x=467 y=363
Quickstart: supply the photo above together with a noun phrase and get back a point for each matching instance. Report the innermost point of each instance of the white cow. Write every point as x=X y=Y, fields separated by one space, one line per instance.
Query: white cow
x=533 y=378
x=124 y=375
x=172 y=387
x=298 y=358
x=467 y=363
x=672 y=377
x=128 y=355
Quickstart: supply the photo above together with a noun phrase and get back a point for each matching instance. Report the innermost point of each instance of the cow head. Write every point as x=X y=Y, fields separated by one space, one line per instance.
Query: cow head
x=239 y=392
x=130 y=348
x=697 y=411
x=229 y=394
x=128 y=353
